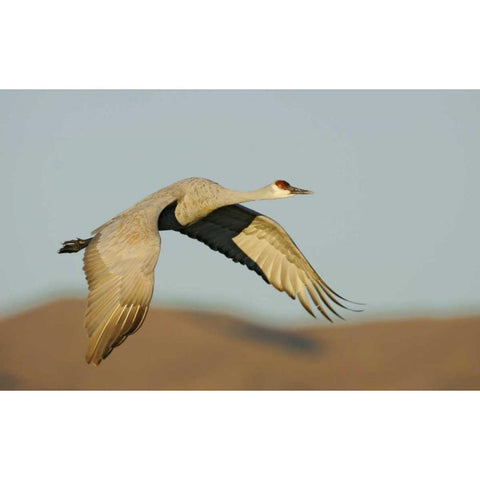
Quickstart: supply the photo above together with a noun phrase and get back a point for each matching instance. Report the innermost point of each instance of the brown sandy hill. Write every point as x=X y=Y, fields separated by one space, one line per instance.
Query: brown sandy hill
x=44 y=349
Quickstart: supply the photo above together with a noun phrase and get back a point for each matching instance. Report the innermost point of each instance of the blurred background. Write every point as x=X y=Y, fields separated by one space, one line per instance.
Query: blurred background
x=393 y=223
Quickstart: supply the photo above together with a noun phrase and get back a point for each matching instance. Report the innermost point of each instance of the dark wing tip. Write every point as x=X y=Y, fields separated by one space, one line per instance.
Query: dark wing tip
x=346 y=299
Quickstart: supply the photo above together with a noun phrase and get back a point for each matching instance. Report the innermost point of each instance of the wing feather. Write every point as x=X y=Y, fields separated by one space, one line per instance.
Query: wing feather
x=282 y=253
x=119 y=264
x=264 y=246
x=286 y=279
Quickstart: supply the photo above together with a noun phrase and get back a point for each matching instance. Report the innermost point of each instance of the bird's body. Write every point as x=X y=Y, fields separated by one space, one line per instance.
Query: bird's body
x=120 y=258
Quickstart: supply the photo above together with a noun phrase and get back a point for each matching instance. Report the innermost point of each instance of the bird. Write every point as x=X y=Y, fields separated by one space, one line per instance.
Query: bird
x=121 y=256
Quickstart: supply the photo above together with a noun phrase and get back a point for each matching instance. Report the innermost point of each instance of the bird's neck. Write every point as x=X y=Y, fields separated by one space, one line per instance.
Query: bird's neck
x=189 y=210
x=264 y=193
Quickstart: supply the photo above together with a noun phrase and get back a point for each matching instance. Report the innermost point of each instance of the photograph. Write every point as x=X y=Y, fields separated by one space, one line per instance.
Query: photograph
x=142 y=251
x=240 y=240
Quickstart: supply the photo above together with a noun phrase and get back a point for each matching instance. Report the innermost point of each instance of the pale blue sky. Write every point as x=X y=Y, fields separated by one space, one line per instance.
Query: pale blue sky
x=393 y=222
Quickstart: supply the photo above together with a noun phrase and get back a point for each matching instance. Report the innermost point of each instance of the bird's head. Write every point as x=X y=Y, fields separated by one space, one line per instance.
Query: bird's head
x=282 y=188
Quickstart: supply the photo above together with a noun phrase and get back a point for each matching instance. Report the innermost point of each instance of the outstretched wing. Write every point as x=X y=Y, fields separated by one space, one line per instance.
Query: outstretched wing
x=119 y=263
x=264 y=246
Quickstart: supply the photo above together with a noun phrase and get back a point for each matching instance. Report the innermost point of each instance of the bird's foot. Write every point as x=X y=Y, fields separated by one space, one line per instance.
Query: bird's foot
x=72 y=246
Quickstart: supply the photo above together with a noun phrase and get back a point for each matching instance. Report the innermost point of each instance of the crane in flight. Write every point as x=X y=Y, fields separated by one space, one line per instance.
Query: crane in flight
x=121 y=256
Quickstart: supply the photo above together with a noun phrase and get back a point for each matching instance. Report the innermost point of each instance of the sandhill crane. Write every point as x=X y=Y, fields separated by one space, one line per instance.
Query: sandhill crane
x=120 y=258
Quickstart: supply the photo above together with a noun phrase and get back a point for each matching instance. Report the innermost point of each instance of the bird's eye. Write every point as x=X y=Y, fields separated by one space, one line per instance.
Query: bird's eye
x=282 y=184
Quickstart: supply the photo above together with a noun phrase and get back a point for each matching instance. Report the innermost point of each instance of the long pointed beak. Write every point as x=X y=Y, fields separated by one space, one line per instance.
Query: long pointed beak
x=299 y=191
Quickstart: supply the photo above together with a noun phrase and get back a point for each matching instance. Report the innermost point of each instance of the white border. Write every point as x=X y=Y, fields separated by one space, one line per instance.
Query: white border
x=249 y=44
x=240 y=435
x=213 y=44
